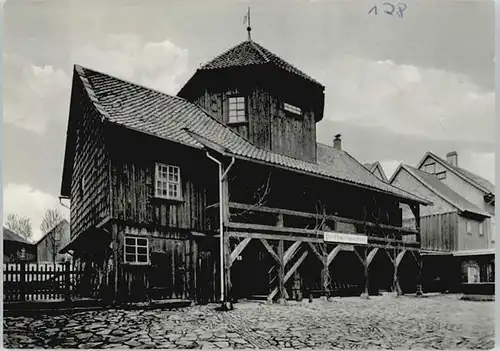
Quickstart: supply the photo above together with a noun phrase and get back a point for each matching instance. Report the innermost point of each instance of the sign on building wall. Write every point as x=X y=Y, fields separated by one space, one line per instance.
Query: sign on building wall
x=345 y=238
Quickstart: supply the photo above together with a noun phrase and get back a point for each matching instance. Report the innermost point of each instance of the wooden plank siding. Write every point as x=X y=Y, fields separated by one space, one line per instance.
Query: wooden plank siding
x=133 y=180
x=90 y=203
x=438 y=232
x=268 y=125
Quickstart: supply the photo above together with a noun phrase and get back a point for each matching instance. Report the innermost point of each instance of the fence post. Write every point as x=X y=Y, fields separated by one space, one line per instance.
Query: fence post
x=67 y=291
x=22 y=281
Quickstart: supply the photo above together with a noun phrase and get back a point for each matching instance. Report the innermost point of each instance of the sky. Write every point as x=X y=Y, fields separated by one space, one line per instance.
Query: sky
x=396 y=86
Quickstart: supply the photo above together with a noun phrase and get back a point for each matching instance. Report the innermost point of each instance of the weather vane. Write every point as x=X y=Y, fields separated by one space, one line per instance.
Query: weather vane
x=246 y=20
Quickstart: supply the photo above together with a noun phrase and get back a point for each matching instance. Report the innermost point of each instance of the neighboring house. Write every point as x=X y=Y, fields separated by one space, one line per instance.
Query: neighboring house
x=49 y=245
x=376 y=168
x=458 y=229
x=153 y=179
x=16 y=248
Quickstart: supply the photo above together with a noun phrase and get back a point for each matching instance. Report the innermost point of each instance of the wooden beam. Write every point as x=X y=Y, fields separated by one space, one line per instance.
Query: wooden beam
x=399 y=258
x=295 y=266
x=289 y=274
x=291 y=251
x=270 y=250
x=283 y=211
x=371 y=256
x=309 y=232
x=281 y=272
x=299 y=239
x=273 y=236
x=238 y=249
x=332 y=255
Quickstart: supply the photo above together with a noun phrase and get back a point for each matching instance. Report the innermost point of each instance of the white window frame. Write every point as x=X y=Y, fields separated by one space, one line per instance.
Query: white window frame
x=168 y=182
x=468 y=227
x=293 y=109
x=237 y=109
x=481 y=229
x=128 y=252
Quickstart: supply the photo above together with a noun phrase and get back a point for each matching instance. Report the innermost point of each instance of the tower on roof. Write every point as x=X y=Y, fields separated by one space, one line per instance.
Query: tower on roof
x=264 y=98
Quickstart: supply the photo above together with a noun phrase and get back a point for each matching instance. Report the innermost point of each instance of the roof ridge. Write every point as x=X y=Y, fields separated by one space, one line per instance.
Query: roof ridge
x=416 y=171
x=459 y=170
x=132 y=83
x=256 y=47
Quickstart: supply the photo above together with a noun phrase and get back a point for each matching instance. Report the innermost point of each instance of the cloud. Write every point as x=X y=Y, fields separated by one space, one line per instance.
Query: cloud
x=23 y=200
x=34 y=95
x=158 y=65
x=408 y=100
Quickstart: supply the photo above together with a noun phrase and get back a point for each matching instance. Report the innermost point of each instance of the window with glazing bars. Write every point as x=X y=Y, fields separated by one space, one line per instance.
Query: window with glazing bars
x=237 y=111
x=168 y=182
x=136 y=250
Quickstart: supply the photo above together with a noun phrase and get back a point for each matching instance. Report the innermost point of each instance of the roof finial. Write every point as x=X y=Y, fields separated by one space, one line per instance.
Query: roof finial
x=246 y=20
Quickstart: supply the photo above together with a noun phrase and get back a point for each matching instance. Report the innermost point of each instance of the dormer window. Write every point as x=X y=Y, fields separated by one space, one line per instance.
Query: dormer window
x=293 y=109
x=441 y=175
x=237 y=111
x=430 y=167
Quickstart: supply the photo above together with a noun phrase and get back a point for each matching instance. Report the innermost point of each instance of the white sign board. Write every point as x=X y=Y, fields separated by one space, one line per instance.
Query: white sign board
x=345 y=238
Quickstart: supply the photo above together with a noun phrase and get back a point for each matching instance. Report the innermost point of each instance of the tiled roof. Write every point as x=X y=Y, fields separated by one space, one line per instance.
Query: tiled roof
x=445 y=191
x=9 y=235
x=176 y=119
x=251 y=53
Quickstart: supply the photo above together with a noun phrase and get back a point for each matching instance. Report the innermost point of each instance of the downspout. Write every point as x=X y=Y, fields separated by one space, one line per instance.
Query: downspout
x=221 y=221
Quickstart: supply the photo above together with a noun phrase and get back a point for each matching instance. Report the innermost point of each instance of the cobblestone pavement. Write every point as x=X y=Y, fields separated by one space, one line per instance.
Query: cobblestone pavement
x=440 y=322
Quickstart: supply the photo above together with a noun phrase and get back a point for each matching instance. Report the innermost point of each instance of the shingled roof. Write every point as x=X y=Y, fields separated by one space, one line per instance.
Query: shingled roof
x=178 y=120
x=250 y=53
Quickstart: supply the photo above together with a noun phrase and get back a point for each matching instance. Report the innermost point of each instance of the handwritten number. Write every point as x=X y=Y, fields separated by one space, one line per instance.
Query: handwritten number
x=391 y=12
x=401 y=9
x=390 y=9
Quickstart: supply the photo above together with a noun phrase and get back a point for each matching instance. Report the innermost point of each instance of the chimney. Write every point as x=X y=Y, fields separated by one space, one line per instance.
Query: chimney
x=337 y=142
x=452 y=158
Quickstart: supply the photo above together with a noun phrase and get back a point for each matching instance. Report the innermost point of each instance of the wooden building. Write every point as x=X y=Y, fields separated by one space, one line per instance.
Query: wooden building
x=154 y=180
x=16 y=248
x=49 y=245
x=457 y=230
x=376 y=168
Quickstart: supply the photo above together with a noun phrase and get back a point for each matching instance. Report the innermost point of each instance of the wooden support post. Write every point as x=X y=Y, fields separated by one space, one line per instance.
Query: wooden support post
x=397 y=260
x=115 y=253
x=418 y=258
x=366 y=264
x=416 y=212
x=365 y=261
x=281 y=272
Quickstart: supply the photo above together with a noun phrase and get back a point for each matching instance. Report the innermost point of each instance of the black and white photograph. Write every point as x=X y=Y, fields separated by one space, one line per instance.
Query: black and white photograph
x=243 y=174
